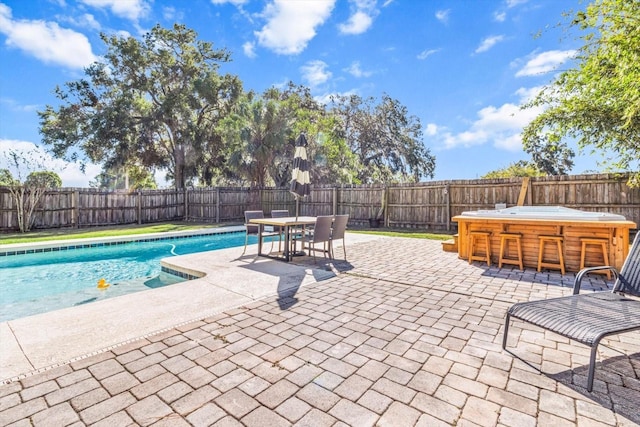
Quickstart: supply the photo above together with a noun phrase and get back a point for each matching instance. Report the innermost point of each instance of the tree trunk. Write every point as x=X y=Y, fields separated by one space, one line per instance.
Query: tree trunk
x=179 y=159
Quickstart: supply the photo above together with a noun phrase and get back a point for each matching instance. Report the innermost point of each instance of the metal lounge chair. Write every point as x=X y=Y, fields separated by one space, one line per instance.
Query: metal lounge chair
x=337 y=232
x=254 y=229
x=587 y=318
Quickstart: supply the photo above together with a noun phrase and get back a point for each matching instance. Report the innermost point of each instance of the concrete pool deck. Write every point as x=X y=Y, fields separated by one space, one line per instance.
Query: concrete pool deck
x=44 y=340
x=404 y=334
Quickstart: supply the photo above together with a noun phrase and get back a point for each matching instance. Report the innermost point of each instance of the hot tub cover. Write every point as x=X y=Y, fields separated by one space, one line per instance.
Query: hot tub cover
x=545 y=212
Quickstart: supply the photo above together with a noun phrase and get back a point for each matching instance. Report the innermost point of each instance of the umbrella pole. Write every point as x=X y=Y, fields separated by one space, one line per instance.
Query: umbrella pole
x=294 y=239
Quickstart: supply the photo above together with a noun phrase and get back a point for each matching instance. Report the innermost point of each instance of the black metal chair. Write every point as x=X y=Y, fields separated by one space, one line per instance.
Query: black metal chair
x=587 y=318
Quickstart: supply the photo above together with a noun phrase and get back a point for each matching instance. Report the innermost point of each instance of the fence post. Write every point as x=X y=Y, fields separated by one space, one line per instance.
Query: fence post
x=186 y=204
x=335 y=200
x=217 y=205
x=75 y=201
x=385 y=194
x=139 y=203
x=448 y=207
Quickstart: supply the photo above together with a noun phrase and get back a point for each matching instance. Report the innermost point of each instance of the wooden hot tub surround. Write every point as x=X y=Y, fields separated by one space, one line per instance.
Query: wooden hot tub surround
x=614 y=230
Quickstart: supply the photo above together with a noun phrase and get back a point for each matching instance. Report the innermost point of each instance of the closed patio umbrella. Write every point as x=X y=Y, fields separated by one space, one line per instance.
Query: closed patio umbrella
x=300 y=182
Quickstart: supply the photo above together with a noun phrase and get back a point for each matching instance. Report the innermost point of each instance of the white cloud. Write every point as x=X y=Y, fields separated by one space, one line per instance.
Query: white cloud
x=488 y=43
x=431 y=129
x=514 y=3
x=509 y=143
x=70 y=173
x=501 y=126
x=129 y=9
x=233 y=2
x=46 y=41
x=363 y=12
x=249 y=49
x=501 y=15
x=355 y=70
x=527 y=94
x=358 y=23
x=170 y=13
x=544 y=62
x=315 y=73
x=443 y=15
x=325 y=99
x=86 y=20
x=13 y=105
x=427 y=53
x=292 y=24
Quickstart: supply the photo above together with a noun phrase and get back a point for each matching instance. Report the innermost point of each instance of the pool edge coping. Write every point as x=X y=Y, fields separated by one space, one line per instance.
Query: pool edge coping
x=12 y=249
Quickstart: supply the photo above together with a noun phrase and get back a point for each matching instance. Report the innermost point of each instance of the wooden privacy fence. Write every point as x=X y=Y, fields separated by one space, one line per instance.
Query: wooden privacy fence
x=428 y=205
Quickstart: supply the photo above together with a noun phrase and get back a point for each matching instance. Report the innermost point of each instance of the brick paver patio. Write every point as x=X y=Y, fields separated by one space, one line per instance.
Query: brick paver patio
x=405 y=335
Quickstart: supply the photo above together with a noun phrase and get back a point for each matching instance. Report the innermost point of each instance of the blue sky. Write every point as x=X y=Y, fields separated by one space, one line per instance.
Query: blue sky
x=462 y=67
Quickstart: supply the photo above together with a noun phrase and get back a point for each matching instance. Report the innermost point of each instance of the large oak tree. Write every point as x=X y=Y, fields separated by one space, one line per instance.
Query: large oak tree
x=385 y=138
x=155 y=102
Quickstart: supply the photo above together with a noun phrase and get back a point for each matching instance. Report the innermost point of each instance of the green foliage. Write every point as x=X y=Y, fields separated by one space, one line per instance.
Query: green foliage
x=331 y=159
x=160 y=103
x=6 y=178
x=26 y=195
x=520 y=168
x=257 y=134
x=43 y=179
x=131 y=178
x=154 y=101
x=597 y=102
x=385 y=138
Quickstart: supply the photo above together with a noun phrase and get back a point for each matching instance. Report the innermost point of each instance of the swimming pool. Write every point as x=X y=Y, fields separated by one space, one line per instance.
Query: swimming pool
x=67 y=276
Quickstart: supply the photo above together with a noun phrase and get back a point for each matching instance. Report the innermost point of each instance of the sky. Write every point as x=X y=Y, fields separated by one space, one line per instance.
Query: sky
x=462 y=67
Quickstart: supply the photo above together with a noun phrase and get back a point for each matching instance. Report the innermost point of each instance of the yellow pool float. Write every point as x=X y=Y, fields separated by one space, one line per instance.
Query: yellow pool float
x=102 y=284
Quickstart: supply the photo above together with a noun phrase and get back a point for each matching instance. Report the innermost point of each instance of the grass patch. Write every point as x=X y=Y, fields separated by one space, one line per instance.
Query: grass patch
x=401 y=232
x=126 y=230
x=85 y=233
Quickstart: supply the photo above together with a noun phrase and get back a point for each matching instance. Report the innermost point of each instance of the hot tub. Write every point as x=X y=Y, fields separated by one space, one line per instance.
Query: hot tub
x=531 y=222
x=545 y=212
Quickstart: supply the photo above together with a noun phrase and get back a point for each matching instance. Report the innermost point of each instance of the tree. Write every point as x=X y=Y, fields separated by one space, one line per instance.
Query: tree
x=520 y=168
x=331 y=159
x=258 y=132
x=263 y=130
x=6 y=179
x=131 y=178
x=43 y=179
x=27 y=195
x=597 y=101
x=154 y=102
x=385 y=138
x=550 y=159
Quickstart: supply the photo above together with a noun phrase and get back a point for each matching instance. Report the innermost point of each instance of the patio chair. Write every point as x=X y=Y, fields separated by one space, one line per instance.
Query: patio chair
x=279 y=213
x=321 y=235
x=587 y=318
x=254 y=229
x=338 y=231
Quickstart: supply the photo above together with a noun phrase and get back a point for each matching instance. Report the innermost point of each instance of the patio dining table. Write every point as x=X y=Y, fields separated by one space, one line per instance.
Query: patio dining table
x=286 y=224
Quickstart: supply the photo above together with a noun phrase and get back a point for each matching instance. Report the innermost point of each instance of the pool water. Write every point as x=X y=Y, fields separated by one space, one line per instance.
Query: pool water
x=41 y=282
